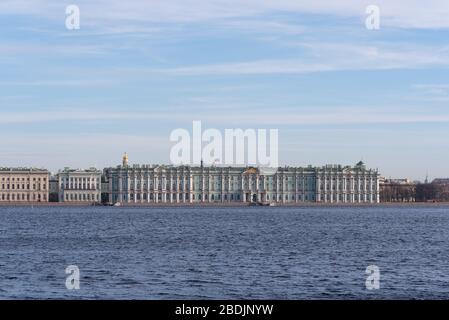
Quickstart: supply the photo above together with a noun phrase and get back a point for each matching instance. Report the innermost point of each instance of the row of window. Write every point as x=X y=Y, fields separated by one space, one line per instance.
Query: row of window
x=23 y=197
x=22 y=186
x=212 y=184
x=23 y=179
x=237 y=197
x=80 y=180
x=217 y=187
x=81 y=197
x=357 y=197
x=239 y=179
x=355 y=187
x=80 y=186
x=160 y=197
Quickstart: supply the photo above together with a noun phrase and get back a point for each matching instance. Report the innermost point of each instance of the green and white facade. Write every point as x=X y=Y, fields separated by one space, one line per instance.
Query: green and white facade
x=198 y=184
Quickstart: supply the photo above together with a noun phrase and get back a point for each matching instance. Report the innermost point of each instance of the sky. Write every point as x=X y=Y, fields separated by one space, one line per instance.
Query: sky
x=136 y=70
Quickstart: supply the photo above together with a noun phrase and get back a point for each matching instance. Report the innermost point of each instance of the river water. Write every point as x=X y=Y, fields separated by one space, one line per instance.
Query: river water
x=314 y=252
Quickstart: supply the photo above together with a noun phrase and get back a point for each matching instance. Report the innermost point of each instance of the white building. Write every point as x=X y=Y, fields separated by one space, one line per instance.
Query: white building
x=79 y=185
x=198 y=184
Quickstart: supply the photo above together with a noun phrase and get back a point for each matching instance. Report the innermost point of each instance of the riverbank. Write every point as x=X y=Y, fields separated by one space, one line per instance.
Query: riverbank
x=234 y=204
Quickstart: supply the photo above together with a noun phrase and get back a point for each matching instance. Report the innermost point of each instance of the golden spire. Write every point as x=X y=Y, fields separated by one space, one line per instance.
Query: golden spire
x=125 y=160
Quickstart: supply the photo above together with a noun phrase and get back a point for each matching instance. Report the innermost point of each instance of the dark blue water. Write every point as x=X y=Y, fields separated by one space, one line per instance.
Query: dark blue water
x=224 y=253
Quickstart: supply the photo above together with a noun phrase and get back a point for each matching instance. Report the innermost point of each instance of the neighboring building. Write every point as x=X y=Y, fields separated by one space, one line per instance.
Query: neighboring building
x=104 y=190
x=54 y=189
x=397 y=190
x=441 y=189
x=405 y=190
x=441 y=181
x=79 y=185
x=24 y=185
x=199 y=184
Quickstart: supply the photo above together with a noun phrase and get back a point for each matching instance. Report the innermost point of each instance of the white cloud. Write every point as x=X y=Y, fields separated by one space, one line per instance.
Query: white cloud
x=266 y=26
x=59 y=83
x=247 y=68
x=433 y=92
x=60 y=49
x=433 y=88
x=70 y=115
x=263 y=117
x=399 y=13
x=329 y=57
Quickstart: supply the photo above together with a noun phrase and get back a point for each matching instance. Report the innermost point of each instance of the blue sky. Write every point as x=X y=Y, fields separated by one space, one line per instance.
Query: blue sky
x=136 y=70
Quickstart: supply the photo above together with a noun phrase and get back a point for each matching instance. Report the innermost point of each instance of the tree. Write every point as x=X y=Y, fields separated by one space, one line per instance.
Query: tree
x=426 y=192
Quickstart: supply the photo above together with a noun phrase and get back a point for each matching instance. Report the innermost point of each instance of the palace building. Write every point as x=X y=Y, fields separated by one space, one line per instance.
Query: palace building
x=24 y=185
x=201 y=184
x=79 y=185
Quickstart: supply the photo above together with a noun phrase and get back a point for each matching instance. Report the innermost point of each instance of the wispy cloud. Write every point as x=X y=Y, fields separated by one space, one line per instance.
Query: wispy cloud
x=399 y=13
x=433 y=92
x=439 y=89
x=248 y=68
x=265 y=26
x=316 y=57
x=57 y=50
x=59 y=83
x=328 y=57
x=273 y=117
